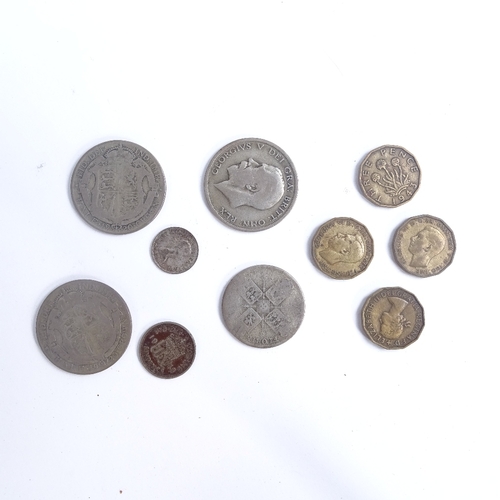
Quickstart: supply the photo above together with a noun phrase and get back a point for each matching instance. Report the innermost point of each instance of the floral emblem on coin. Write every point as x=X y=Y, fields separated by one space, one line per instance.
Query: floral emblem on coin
x=389 y=176
x=174 y=250
x=342 y=248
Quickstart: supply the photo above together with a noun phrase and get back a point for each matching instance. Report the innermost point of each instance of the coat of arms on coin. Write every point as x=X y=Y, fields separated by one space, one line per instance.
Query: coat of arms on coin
x=83 y=326
x=263 y=306
x=167 y=350
x=118 y=187
x=424 y=246
x=389 y=176
x=342 y=248
x=250 y=184
x=392 y=318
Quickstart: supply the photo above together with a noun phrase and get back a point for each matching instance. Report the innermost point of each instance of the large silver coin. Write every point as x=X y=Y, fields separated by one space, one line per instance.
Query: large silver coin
x=424 y=246
x=83 y=326
x=263 y=306
x=174 y=250
x=118 y=187
x=389 y=176
x=392 y=318
x=251 y=184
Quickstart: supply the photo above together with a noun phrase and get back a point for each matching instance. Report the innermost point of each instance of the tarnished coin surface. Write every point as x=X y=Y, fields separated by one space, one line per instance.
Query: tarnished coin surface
x=167 y=350
x=174 y=250
x=424 y=246
x=251 y=184
x=342 y=248
x=118 y=187
x=263 y=306
x=392 y=318
x=83 y=326
x=389 y=176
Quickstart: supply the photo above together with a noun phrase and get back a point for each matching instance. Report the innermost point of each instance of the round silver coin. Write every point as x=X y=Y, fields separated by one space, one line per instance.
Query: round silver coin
x=251 y=184
x=83 y=326
x=263 y=306
x=118 y=187
x=174 y=250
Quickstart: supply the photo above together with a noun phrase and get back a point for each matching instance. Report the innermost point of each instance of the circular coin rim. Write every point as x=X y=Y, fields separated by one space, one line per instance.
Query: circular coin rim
x=270 y=267
x=166 y=230
x=395 y=246
x=365 y=330
x=88 y=219
x=141 y=343
x=360 y=175
x=258 y=228
x=125 y=310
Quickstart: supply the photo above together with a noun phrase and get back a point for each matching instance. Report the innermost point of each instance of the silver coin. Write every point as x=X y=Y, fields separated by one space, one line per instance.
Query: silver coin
x=424 y=246
x=263 y=306
x=118 y=187
x=389 y=176
x=83 y=326
x=174 y=250
x=251 y=184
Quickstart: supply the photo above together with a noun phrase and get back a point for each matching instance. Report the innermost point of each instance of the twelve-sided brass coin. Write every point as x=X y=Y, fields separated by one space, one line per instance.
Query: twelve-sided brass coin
x=342 y=248
x=392 y=318
x=389 y=176
x=118 y=187
x=83 y=326
x=167 y=350
x=424 y=246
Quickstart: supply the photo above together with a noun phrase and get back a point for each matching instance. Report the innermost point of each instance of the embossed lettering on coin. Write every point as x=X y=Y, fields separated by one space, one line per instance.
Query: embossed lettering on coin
x=250 y=184
x=118 y=187
x=167 y=350
x=342 y=248
x=83 y=326
x=392 y=318
x=424 y=246
x=174 y=250
x=389 y=176
x=263 y=306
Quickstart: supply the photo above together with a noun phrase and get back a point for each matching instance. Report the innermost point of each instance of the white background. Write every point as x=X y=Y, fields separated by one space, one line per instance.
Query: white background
x=327 y=415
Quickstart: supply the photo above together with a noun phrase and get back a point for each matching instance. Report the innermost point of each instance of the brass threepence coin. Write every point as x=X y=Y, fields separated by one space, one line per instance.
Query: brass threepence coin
x=342 y=248
x=424 y=246
x=250 y=184
x=263 y=306
x=389 y=176
x=392 y=318
x=83 y=326
x=118 y=187
x=174 y=250
x=167 y=350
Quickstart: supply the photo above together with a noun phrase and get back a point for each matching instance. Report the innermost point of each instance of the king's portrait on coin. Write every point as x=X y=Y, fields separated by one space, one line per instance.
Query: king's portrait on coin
x=348 y=248
x=252 y=184
x=425 y=245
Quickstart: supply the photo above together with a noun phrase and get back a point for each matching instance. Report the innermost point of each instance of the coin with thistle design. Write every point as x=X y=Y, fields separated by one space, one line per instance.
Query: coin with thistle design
x=263 y=306
x=389 y=176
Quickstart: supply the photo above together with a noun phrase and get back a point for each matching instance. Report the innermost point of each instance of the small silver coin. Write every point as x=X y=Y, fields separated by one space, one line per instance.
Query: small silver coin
x=83 y=326
x=118 y=187
x=167 y=350
x=251 y=184
x=389 y=176
x=174 y=250
x=392 y=318
x=263 y=306
x=424 y=246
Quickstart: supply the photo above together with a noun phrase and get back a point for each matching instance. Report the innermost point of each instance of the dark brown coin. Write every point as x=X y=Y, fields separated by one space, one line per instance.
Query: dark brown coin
x=167 y=350
x=389 y=176
x=424 y=246
x=392 y=318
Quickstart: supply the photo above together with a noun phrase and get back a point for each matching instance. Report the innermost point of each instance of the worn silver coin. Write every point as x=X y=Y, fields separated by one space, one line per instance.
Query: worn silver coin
x=83 y=326
x=389 y=176
x=263 y=306
x=251 y=184
x=174 y=250
x=118 y=187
